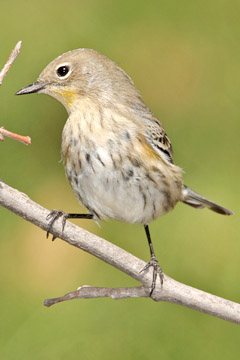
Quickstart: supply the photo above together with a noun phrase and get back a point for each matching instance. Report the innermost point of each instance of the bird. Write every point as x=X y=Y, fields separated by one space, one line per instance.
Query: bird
x=116 y=153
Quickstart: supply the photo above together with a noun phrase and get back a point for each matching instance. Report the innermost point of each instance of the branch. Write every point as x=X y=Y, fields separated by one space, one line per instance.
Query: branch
x=171 y=291
x=3 y=132
x=90 y=292
x=10 y=61
x=24 y=139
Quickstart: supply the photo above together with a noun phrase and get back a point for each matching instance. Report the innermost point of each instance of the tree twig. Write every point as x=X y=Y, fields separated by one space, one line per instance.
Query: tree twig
x=10 y=61
x=90 y=292
x=24 y=139
x=171 y=291
x=3 y=132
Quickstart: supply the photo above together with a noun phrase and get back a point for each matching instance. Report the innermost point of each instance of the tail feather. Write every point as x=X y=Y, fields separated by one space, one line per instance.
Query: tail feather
x=196 y=200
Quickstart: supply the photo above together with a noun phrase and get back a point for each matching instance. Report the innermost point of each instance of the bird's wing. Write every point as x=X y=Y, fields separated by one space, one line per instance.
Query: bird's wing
x=158 y=139
x=153 y=130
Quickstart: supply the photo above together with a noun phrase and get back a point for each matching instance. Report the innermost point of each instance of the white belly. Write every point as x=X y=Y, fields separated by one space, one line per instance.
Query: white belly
x=124 y=193
x=110 y=175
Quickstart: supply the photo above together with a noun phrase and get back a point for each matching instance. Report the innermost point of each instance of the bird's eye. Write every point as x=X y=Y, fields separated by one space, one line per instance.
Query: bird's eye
x=62 y=71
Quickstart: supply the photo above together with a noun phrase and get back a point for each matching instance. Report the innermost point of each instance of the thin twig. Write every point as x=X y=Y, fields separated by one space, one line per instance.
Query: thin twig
x=10 y=61
x=24 y=139
x=90 y=292
x=171 y=290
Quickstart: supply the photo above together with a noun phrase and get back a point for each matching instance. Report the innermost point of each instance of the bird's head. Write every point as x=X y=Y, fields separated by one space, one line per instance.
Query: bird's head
x=80 y=73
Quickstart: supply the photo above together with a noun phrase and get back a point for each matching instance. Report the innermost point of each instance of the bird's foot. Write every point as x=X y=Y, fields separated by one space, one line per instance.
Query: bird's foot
x=157 y=270
x=52 y=217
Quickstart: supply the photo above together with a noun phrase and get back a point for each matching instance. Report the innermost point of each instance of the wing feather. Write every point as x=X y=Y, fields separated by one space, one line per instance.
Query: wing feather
x=153 y=131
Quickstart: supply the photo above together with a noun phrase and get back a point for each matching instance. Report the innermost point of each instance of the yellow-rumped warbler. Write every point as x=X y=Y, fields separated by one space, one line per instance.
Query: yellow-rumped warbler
x=117 y=156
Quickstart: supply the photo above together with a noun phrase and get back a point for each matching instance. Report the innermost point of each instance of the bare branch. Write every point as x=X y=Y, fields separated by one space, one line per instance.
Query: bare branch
x=90 y=292
x=24 y=139
x=10 y=61
x=171 y=291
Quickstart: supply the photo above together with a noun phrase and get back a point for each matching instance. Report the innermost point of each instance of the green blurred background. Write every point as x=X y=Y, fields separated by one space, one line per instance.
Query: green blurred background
x=185 y=59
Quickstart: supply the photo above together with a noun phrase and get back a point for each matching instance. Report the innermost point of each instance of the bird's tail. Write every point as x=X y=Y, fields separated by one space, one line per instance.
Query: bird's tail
x=197 y=201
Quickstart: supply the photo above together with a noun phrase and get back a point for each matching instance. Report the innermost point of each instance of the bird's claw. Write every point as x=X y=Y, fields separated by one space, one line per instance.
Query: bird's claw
x=53 y=216
x=153 y=262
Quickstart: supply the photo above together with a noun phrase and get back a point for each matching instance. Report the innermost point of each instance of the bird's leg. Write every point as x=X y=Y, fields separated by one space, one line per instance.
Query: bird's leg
x=56 y=214
x=153 y=262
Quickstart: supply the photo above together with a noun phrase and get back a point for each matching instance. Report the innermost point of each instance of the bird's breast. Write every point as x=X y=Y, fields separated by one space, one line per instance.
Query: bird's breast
x=114 y=173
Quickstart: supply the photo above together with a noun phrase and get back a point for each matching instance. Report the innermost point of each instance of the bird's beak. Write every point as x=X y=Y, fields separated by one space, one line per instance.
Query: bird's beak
x=33 y=88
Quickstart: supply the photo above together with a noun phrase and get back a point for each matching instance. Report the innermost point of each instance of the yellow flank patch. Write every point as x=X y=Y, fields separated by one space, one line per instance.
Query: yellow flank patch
x=147 y=149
